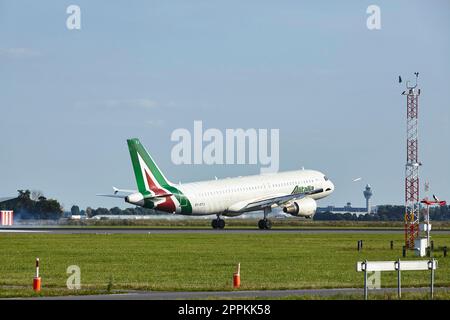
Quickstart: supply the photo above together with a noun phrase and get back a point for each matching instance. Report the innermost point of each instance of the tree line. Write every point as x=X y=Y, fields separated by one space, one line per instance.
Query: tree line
x=385 y=213
x=34 y=205
x=116 y=211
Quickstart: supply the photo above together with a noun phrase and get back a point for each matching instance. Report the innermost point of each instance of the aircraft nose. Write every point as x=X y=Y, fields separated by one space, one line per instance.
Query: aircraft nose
x=330 y=186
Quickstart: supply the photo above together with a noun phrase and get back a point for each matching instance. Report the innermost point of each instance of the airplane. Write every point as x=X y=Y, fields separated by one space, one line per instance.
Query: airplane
x=295 y=192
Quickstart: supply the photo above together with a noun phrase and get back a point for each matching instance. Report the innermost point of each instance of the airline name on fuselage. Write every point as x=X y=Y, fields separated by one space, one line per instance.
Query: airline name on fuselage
x=300 y=189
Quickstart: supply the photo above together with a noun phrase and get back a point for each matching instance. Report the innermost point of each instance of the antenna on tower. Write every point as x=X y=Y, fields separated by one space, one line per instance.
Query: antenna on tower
x=413 y=87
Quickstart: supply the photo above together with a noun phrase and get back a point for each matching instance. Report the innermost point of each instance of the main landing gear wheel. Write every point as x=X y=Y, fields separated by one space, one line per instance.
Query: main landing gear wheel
x=264 y=224
x=218 y=223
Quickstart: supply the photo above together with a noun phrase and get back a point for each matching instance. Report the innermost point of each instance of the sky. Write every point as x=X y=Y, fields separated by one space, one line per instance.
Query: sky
x=69 y=99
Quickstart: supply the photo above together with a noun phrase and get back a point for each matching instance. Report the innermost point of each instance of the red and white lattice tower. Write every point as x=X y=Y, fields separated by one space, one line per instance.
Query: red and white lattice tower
x=412 y=200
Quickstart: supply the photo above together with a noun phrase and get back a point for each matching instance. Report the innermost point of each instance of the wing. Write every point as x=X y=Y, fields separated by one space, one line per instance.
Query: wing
x=254 y=205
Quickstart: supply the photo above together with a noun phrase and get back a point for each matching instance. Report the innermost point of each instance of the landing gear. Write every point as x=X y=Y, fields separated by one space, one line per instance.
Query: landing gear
x=265 y=224
x=218 y=223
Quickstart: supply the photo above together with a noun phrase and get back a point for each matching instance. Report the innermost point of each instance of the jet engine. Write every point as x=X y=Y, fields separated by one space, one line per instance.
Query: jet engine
x=305 y=207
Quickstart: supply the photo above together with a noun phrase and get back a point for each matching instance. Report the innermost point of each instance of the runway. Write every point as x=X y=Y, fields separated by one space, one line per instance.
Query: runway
x=103 y=230
x=192 y=295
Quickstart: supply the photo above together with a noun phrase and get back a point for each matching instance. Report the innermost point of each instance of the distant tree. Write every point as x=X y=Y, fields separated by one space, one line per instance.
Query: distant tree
x=26 y=208
x=75 y=210
x=384 y=213
x=88 y=212
x=24 y=194
x=36 y=195
x=440 y=213
x=100 y=212
x=48 y=209
x=115 y=211
x=130 y=212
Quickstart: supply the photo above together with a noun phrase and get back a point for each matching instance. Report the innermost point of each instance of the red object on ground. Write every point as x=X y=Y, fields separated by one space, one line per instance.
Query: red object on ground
x=237 y=277
x=37 y=284
x=37 y=279
x=236 y=280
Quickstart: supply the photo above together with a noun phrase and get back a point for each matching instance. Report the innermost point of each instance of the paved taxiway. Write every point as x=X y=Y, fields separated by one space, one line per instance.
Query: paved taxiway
x=200 y=230
x=165 y=295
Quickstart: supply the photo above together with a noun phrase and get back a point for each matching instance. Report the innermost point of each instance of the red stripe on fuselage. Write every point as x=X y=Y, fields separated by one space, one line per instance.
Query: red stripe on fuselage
x=168 y=205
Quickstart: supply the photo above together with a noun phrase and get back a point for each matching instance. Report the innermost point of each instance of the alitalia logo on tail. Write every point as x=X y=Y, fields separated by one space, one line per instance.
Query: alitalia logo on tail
x=158 y=192
x=149 y=177
x=151 y=184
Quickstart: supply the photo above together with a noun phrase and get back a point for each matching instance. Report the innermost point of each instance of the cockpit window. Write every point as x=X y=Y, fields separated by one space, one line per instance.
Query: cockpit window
x=326 y=178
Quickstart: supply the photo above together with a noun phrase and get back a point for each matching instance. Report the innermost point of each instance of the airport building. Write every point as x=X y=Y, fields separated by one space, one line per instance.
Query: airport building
x=348 y=207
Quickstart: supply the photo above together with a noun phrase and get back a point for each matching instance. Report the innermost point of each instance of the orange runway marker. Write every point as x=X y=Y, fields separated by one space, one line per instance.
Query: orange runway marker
x=237 y=277
x=37 y=279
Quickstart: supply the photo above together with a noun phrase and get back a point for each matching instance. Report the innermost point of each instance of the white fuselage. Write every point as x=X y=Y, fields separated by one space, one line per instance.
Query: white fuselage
x=219 y=196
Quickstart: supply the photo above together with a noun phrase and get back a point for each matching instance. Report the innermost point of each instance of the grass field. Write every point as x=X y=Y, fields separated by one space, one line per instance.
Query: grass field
x=269 y=260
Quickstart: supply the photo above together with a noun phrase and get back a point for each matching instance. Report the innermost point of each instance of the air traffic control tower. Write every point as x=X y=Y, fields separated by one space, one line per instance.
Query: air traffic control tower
x=368 y=194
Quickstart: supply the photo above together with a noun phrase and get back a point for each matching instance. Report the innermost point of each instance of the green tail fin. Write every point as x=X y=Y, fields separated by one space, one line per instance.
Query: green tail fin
x=149 y=177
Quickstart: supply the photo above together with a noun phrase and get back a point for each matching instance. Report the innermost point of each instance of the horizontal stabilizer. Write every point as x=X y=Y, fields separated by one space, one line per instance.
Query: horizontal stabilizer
x=124 y=196
x=117 y=190
x=111 y=195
